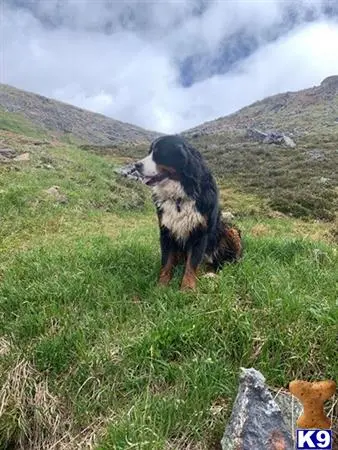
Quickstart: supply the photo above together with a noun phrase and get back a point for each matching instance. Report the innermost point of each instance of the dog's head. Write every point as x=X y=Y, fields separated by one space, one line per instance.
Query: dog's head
x=167 y=158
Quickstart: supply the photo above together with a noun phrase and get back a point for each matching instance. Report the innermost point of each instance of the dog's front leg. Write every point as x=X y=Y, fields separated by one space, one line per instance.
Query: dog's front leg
x=195 y=256
x=168 y=257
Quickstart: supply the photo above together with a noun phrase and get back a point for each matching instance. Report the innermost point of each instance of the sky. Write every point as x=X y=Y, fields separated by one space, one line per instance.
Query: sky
x=166 y=65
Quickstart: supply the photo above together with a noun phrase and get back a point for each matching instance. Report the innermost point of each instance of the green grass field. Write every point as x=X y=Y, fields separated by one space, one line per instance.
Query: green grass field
x=93 y=354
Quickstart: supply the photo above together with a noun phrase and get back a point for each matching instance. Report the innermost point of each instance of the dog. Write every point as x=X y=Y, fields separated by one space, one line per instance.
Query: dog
x=187 y=202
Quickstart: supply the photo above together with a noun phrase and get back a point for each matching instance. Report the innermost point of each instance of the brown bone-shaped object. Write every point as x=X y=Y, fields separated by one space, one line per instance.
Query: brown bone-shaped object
x=312 y=396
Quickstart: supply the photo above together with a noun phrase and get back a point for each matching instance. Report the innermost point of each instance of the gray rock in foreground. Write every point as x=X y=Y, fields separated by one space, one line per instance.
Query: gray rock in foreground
x=256 y=422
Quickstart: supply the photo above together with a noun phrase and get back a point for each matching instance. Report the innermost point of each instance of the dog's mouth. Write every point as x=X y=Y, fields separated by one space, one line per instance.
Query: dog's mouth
x=152 y=181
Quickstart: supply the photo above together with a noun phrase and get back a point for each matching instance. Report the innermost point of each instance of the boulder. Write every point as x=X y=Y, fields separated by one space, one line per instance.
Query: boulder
x=257 y=421
x=129 y=171
x=272 y=137
x=7 y=153
x=55 y=192
x=257 y=135
x=22 y=157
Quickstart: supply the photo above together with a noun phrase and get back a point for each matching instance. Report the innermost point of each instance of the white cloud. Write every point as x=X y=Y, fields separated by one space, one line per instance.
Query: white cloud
x=132 y=75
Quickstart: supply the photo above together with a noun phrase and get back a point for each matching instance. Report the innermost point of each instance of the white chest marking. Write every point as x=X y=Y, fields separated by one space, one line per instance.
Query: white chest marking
x=179 y=213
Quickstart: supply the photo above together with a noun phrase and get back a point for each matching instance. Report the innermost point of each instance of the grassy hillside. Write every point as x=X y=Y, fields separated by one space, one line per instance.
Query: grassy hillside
x=94 y=355
x=66 y=120
x=309 y=113
x=297 y=182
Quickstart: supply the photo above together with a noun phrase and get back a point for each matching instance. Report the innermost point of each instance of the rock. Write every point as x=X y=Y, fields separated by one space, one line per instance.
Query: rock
x=227 y=216
x=22 y=157
x=257 y=135
x=315 y=154
x=290 y=408
x=129 y=171
x=272 y=137
x=256 y=422
x=324 y=180
x=55 y=192
x=330 y=82
x=288 y=141
x=48 y=166
x=7 y=153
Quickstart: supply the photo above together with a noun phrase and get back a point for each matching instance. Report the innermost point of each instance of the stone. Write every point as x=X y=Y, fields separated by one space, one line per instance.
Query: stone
x=129 y=171
x=227 y=216
x=272 y=137
x=315 y=154
x=22 y=157
x=55 y=192
x=7 y=153
x=256 y=421
x=291 y=409
x=257 y=135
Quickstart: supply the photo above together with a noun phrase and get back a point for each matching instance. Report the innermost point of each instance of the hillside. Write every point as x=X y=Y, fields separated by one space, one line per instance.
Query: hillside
x=93 y=354
x=297 y=182
x=63 y=119
x=303 y=113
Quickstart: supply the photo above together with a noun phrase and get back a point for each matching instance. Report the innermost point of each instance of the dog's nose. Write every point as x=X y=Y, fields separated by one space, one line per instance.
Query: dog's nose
x=139 y=166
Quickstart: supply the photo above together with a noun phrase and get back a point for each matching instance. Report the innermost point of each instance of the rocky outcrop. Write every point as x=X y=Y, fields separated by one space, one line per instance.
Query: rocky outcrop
x=258 y=421
x=129 y=171
x=272 y=137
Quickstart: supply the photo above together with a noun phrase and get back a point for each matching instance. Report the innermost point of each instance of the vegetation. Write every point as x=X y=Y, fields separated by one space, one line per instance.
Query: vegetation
x=299 y=182
x=93 y=352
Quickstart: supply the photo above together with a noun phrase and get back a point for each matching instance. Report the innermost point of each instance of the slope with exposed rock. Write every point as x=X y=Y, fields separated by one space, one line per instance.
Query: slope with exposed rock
x=63 y=119
x=309 y=111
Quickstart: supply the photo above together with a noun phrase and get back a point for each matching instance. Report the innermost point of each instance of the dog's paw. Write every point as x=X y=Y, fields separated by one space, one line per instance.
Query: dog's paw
x=188 y=283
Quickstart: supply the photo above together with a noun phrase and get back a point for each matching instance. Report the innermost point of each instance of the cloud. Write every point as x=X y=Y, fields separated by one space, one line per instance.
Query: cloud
x=126 y=60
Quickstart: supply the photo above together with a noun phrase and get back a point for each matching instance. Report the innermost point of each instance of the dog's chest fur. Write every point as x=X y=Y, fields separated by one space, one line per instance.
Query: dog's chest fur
x=179 y=213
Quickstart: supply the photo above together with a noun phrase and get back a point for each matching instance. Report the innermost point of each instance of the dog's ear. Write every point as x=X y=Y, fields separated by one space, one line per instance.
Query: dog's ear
x=182 y=158
x=192 y=172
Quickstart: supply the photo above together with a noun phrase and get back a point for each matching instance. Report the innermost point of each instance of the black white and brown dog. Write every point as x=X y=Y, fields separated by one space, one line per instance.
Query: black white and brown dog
x=187 y=201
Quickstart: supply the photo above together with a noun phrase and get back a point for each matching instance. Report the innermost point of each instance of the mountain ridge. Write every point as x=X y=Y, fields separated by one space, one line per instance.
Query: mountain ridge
x=313 y=109
x=310 y=110
x=63 y=118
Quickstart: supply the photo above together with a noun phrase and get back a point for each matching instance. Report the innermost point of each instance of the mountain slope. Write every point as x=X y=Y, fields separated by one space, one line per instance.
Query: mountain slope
x=313 y=110
x=95 y=355
x=61 y=118
x=300 y=181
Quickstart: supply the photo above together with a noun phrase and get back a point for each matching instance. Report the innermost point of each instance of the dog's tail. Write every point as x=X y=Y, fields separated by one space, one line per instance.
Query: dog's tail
x=231 y=241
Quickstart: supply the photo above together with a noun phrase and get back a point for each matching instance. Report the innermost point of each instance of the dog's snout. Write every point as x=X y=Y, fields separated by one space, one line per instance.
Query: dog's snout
x=139 y=166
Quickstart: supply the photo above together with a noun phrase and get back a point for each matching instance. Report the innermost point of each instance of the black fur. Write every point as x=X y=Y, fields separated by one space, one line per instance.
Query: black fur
x=191 y=171
x=206 y=237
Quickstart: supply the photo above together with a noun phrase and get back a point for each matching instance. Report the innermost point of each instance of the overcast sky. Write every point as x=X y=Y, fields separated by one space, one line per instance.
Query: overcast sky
x=167 y=65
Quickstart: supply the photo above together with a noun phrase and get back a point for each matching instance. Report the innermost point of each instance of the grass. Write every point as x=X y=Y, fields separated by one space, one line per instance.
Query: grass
x=94 y=354
x=287 y=180
x=16 y=123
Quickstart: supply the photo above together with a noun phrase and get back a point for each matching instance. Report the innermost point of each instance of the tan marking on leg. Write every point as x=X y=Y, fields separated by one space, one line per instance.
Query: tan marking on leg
x=166 y=272
x=190 y=276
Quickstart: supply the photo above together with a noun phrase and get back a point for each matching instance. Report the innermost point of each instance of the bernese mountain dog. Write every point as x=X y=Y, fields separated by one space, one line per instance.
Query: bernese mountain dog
x=187 y=201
